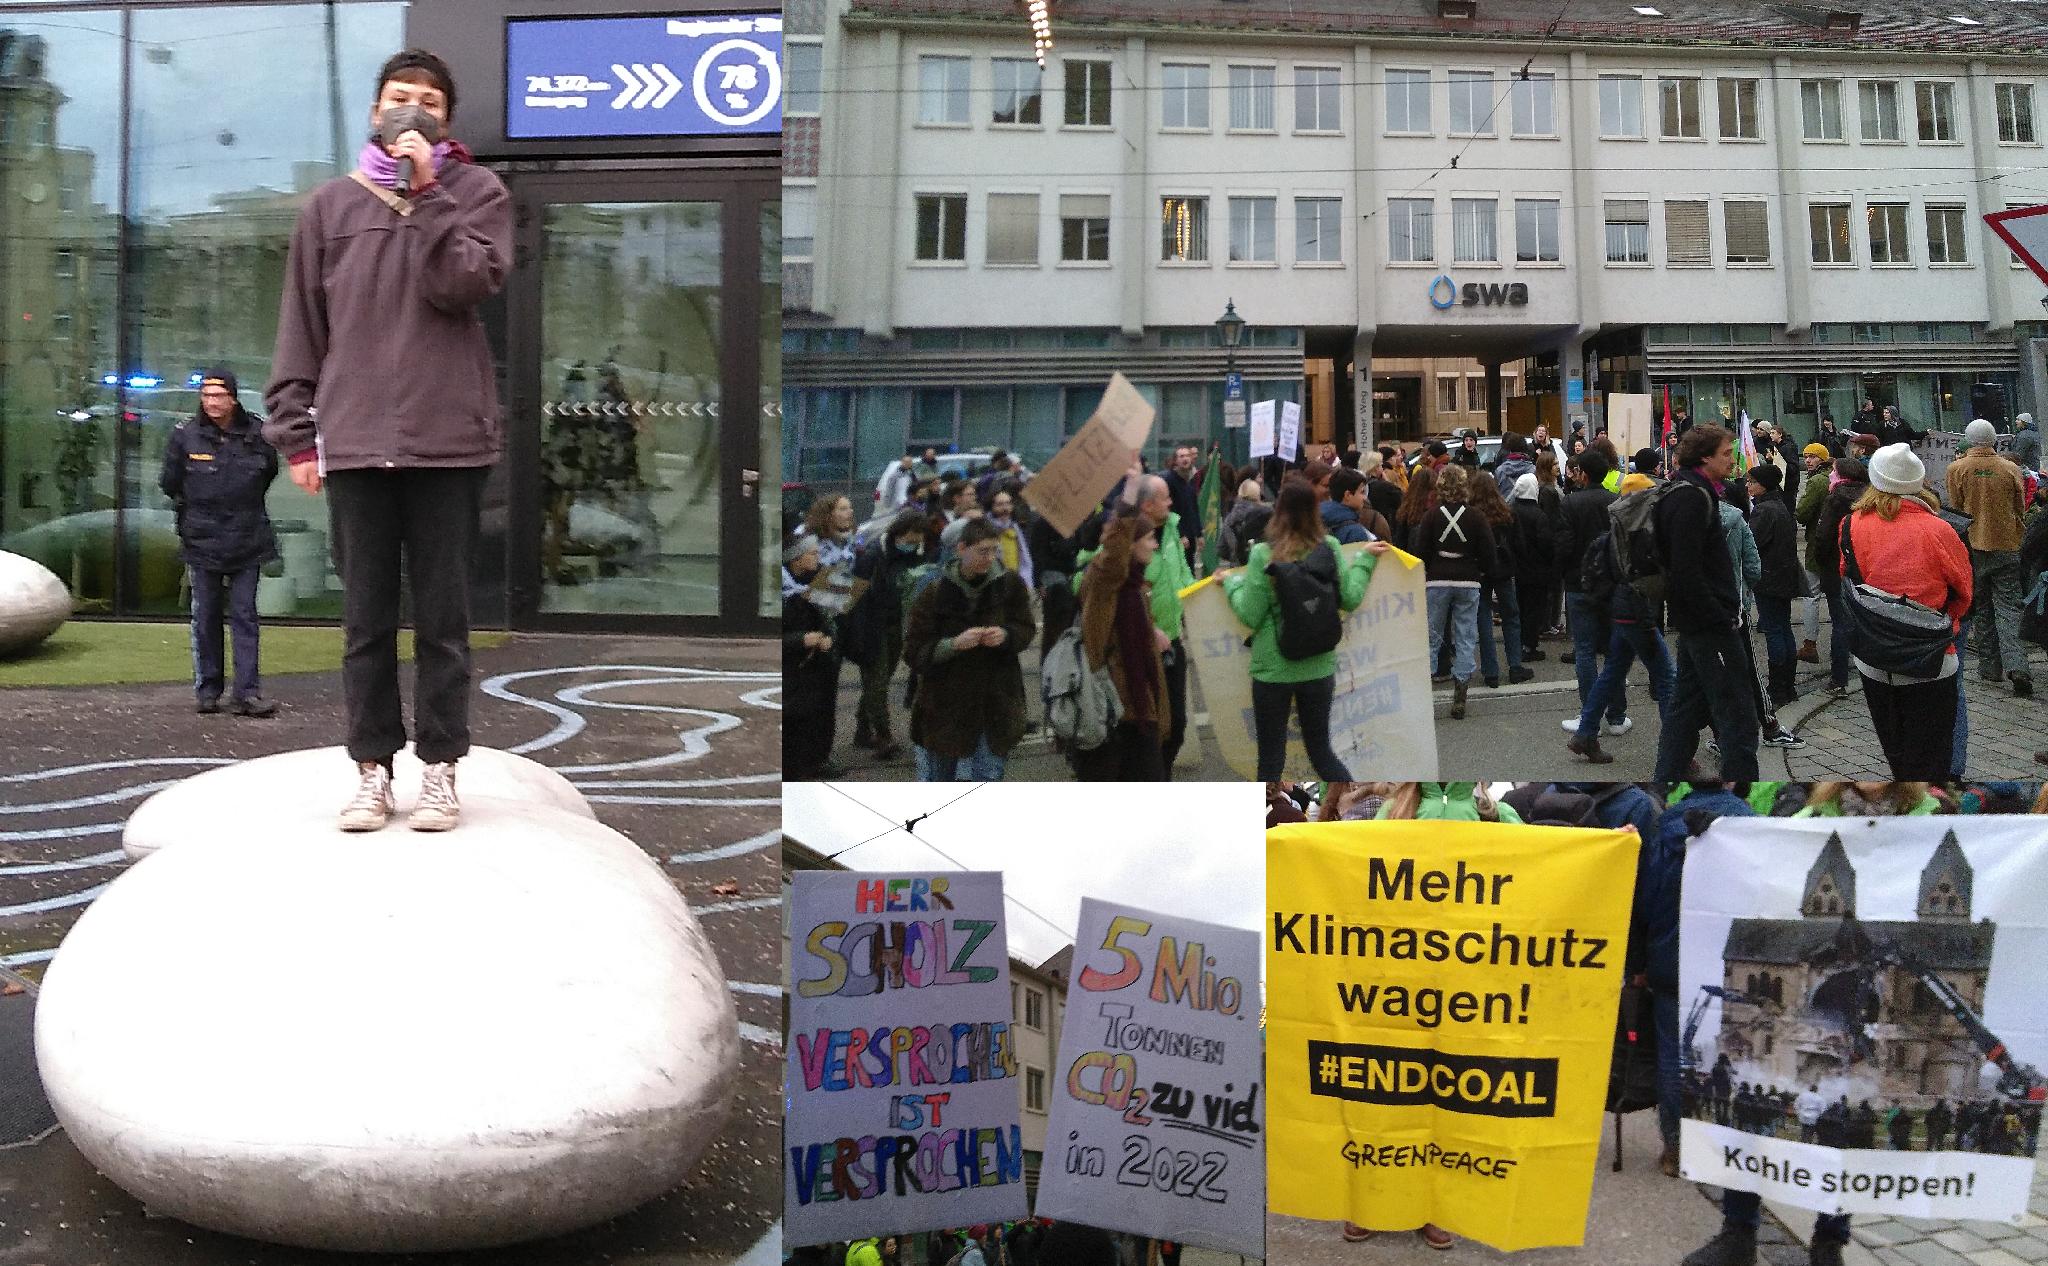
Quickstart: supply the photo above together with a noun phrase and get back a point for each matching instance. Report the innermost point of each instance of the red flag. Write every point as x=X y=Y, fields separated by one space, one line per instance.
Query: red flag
x=1667 y=416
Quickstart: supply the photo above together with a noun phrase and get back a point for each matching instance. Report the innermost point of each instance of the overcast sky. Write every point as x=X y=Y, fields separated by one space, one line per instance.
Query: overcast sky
x=1193 y=849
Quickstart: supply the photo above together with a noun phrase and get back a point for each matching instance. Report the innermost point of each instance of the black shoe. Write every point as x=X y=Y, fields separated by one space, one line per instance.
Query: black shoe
x=1567 y=658
x=1824 y=1253
x=208 y=707
x=1734 y=1246
x=1532 y=655
x=1493 y=683
x=1458 y=700
x=255 y=706
x=2022 y=685
x=1518 y=675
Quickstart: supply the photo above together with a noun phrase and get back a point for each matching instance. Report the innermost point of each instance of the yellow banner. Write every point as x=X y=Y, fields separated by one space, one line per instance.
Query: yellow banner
x=1442 y=1001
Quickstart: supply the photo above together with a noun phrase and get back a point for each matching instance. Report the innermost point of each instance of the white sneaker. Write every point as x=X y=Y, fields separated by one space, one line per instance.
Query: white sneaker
x=436 y=809
x=1570 y=725
x=1627 y=724
x=372 y=806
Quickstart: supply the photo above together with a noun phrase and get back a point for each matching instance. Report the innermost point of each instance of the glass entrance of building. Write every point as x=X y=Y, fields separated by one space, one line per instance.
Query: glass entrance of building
x=637 y=362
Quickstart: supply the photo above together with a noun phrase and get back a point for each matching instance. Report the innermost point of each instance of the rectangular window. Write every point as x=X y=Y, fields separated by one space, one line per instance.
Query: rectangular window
x=1318 y=230
x=1738 y=110
x=1748 y=226
x=1687 y=241
x=1251 y=231
x=1889 y=242
x=1019 y=91
x=1473 y=221
x=1535 y=105
x=1034 y=1009
x=1820 y=109
x=1186 y=102
x=1087 y=93
x=942 y=227
x=1317 y=105
x=1628 y=231
x=1535 y=231
x=1034 y=1090
x=1446 y=394
x=1475 y=394
x=801 y=69
x=942 y=90
x=799 y=222
x=1184 y=230
x=1828 y=225
x=1408 y=101
x=1946 y=243
x=1936 y=102
x=1878 y=103
x=1471 y=103
x=1251 y=98
x=2016 y=114
x=1411 y=230
x=1621 y=106
x=1084 y=228
x=1678 y=109
x=1012 y=228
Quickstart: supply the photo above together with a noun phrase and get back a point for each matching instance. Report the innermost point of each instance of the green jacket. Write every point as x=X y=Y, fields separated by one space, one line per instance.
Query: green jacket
x=1454 y=802
x=1927 y=807
x=1250 y=591
x=1168 y=573
x=864 y=1253
x=1762 y=796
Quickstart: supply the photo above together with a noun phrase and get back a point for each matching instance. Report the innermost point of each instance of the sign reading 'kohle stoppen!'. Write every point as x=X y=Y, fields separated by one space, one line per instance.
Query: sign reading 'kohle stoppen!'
x=1442 y=999
x=1864 y=1024
x=1157 y=1121
x=902 y=1091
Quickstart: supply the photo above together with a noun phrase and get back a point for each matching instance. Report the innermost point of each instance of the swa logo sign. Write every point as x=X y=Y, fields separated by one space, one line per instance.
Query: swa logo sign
x=1445 y=294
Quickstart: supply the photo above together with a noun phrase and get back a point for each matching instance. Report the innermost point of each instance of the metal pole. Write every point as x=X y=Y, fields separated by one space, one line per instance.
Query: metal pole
x=340 y=148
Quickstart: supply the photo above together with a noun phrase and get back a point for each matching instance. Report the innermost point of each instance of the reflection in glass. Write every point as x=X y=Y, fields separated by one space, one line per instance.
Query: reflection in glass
x=630 y=399
x=771 y=408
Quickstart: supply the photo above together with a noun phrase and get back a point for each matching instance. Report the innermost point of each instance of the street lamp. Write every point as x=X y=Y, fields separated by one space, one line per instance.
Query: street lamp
x=1230 y=328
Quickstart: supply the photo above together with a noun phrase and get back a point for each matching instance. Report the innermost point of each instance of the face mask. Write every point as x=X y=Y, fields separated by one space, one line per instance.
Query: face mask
x=909 y=547
x=1002 y=522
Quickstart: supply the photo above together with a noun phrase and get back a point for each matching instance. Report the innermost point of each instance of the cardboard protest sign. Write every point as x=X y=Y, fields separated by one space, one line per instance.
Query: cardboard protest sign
x=1441 y=1002
x=1290 y=431
x=1158 y=1112
x=1088 y=465
x=1262 y=429
x=1629 y=423
x=1864 y=1023
x=1384 y=715
x=902 y=1109
x=1939 y=449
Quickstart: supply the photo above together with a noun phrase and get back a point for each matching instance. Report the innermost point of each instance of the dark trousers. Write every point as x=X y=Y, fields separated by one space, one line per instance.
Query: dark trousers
x=1533 y=601
x=1745 y=1209
x=1774 y=617
x=1838 y=640
x=1670 y=1081
x=1715 y=686
x=1130 y=754
x=1177 y=701
x=1588 y=621
x=1916 y=725
x=1311 y=700
x=428 y=517
x=231 y=594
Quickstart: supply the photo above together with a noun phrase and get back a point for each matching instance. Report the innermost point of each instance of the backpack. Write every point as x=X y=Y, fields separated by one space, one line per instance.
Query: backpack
x=1081 y=706
x=1305 y=603
x=1889 y=632
x=1632 y=522
x=1596 y=571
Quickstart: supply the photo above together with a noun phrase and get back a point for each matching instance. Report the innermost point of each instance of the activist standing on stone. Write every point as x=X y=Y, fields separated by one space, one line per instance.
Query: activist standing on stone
x=379 y=329
x=1992 y=492
x=216 y=471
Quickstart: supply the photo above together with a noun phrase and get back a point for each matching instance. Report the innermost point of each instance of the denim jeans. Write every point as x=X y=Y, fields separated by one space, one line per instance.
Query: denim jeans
x=1838 y=641
x=1745 y=1209
x=1588 y=620
x=1454 y=611
x=1311 y=701
x=981 y=766
x=1510 y=629
x=1628 y=642
x=1670 y=1087
x=1716 y=684
x=1774 y=617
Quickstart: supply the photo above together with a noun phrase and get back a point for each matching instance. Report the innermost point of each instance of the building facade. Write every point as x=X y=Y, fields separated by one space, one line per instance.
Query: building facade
x=1774 y=209
x=147 y=214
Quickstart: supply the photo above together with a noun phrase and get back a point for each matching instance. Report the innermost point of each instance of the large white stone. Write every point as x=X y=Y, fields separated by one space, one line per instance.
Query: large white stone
x=33 y=603
x=250 y=797
x=393 y=1041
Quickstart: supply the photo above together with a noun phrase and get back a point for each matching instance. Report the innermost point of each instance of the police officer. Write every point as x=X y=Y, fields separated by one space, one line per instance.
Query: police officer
x=217 y=468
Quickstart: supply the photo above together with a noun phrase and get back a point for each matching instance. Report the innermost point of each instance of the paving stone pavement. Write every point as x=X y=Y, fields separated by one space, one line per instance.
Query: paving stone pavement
x=1920 y=1242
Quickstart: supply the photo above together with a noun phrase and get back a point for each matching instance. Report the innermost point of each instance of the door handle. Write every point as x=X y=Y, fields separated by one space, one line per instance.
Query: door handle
x=748 y=480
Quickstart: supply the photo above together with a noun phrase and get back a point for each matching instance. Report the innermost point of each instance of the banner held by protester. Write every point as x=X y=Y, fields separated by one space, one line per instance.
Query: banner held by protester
x=1441 y=1008
x=1864 y=1026
x=1074 y=482
x=903 y=1108
x=1158 y=1111
x=1384 y=714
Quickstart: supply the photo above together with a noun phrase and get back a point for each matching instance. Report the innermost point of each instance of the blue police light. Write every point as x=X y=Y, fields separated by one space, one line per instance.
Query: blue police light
x=144 y=380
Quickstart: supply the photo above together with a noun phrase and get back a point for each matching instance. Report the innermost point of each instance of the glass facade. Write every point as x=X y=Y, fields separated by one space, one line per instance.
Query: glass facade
x=229 y=118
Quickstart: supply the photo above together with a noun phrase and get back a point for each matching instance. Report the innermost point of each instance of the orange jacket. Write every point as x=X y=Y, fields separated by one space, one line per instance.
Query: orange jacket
x=1917 y=555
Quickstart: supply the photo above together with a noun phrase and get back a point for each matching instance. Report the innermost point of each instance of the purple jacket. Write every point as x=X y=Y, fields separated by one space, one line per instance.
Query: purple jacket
x=379 y=331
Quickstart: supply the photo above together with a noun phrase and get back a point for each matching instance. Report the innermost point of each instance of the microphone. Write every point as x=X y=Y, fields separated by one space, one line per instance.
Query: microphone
x=405 y=173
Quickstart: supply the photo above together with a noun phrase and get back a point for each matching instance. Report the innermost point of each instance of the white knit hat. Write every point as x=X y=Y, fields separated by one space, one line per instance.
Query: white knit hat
x=1525 y=488
x=1896 y=468
x=1979 y=434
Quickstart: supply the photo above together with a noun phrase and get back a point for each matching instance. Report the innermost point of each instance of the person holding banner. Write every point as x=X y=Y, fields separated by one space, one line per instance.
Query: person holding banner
x=1295 y=540
x=1117 y=632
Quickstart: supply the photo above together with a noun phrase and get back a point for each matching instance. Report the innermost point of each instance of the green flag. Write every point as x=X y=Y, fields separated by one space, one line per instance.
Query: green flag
x=1212 y=512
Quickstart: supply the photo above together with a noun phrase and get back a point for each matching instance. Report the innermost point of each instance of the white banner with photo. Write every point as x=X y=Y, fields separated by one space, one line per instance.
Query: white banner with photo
x=1862 y=1027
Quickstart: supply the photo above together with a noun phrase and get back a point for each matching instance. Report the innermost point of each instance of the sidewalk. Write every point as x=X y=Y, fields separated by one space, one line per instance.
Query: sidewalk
x=1916 y=1242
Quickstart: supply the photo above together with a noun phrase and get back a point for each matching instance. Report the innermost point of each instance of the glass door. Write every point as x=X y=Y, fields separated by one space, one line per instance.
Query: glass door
x=639 y=366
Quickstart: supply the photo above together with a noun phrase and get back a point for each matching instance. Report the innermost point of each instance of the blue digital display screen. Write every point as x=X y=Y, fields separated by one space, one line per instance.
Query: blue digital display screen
x=700 y=75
